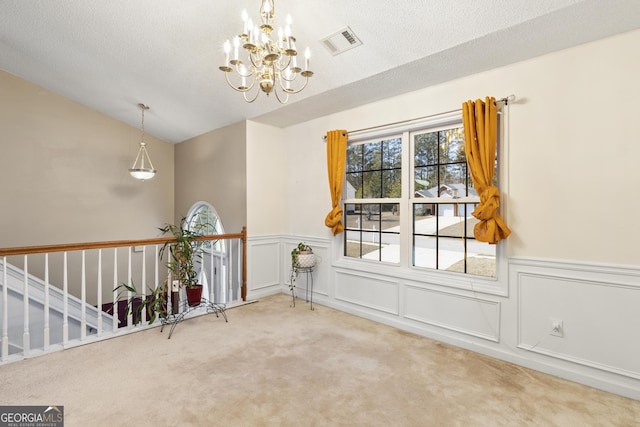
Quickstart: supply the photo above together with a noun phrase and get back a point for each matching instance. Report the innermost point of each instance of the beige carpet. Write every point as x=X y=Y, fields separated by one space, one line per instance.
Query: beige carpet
x=273 y=365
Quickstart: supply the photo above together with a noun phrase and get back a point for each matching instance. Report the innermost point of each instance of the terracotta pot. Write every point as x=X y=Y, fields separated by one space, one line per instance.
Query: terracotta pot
x=194 y=295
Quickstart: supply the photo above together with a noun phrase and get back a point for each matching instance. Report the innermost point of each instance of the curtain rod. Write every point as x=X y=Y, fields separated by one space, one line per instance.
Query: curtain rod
x=506 y=100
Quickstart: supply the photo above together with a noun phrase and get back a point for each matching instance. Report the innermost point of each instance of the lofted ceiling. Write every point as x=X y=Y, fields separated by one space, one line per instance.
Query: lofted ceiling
x=112 y=55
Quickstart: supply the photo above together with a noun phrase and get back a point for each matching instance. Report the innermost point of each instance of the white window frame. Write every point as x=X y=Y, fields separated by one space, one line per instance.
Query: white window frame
x=404 y=270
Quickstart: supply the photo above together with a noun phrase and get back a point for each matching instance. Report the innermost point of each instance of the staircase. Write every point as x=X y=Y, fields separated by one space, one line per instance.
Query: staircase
x=43 y=332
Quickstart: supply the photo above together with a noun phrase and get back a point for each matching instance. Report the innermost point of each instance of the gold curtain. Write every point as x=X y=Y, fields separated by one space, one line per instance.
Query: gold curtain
x=480 y=121
x=336 y=161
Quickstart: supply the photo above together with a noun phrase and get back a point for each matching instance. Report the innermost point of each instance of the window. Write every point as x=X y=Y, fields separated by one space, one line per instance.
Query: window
x=204 y=219
x=373 y=172
x=432 y=206
x=443 y=202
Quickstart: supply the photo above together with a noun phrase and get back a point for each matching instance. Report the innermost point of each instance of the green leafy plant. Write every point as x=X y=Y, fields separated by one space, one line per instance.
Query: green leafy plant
x=154 y=303
x=184 y=252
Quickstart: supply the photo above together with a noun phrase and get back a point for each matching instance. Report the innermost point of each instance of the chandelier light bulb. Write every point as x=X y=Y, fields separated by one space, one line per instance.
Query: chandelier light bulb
x=245 y=17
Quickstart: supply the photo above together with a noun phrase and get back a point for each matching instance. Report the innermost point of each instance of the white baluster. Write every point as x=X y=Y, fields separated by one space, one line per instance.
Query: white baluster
x=212 y=279
x=46 y=302
x=99 y=292
x=229 y=282
x=239 y=272
x=25 y=298
x=130 y=281
x=143 y=285
x=5 y=315
x=156 y=275
x=115 y=294
x=65 y=301
x=83 y=299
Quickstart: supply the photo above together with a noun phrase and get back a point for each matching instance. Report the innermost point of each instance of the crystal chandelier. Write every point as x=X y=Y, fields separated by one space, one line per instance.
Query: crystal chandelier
x=142 y=168
x=272 y=64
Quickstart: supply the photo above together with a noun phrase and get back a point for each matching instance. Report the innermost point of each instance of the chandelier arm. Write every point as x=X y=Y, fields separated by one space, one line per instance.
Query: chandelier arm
x=256 y=60
x=244 y=94
x=250 y=72
x=253 y=81
x=285 y=66
x=286 y=99
x=306 y=81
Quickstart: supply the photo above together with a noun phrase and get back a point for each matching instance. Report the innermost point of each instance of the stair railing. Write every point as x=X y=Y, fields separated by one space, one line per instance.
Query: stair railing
x=57 y=296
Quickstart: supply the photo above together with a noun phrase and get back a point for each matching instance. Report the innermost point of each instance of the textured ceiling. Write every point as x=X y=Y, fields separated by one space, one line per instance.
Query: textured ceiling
x=112 y=55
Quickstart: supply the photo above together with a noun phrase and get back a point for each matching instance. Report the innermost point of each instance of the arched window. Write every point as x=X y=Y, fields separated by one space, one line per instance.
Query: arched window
x=213 y=266
x=204 y=218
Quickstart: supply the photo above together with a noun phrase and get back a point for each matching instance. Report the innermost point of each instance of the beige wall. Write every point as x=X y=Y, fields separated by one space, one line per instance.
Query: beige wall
x=572 y=150
x=64 y=172
x=267 y=174
x=212 y=168
x=571 y=161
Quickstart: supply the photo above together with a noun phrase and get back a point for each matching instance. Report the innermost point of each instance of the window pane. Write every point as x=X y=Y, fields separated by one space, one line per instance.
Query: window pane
x=354 y=158
x=372 y=156
x=390 y=252
x=426 y=149
x=426 y=180
x=204 y=220
x=352 y=217
x=372 y=231
x=353 y=186
x=451 y=145
x=392 y=154
x=391 y=185
x=371 y=216
x=450 y=252
x=372 y=187
x=454 y=175
x=440 y=167
x=481 y=259
x=449 y=223
x=424 y=252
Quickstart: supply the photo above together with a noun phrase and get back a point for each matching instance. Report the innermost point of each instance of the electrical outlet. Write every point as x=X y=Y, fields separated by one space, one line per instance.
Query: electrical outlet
x=557 y=328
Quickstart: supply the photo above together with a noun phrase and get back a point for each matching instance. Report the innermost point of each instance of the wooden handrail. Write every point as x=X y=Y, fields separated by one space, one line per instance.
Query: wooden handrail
x=29 y=250
x=67 y=247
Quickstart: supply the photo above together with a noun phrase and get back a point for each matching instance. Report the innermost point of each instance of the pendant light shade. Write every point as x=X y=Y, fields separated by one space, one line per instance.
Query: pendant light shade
x=142 y=168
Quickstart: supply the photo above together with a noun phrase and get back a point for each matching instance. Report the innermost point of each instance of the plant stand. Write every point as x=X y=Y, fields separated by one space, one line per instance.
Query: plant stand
x=211 y=307
x=308 y=271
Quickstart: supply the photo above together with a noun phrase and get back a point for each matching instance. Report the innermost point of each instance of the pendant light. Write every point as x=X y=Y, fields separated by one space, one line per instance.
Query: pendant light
x=142 y=168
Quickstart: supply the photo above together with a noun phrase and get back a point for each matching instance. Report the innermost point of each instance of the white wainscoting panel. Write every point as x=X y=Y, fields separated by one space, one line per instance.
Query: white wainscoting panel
x=263 y=259
x=457 y=312
x=367 y=290
x=599 y=308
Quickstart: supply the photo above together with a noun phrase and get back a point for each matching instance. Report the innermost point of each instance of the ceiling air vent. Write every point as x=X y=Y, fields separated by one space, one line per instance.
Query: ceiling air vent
x=341 y=41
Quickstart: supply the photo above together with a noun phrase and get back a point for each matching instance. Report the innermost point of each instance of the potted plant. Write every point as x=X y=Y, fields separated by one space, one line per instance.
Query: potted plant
x=184 y=253
x=302 y=257
x=154 y=303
